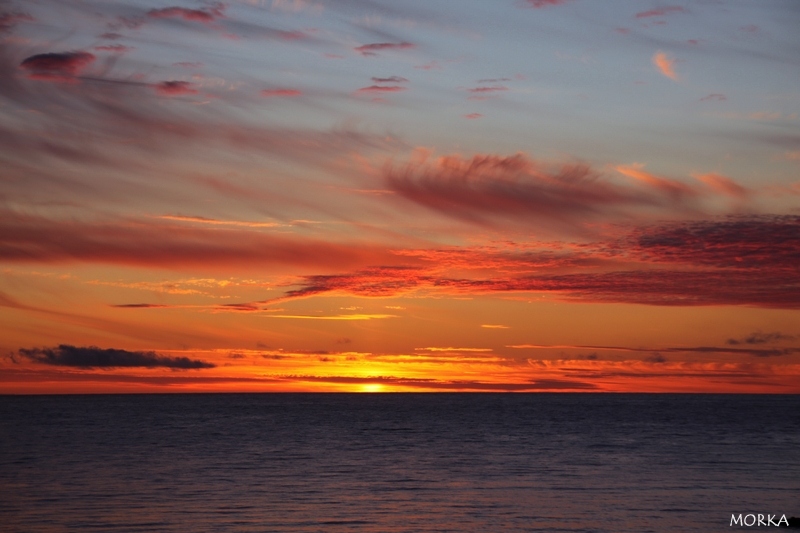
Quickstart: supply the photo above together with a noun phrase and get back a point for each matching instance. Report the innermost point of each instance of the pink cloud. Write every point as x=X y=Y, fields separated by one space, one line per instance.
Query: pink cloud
x=116 y=48
x=665 y=65
x=63 y=66
x=281 y=92
x=175 y=88
x=473 y=115
x=205 y=16
x=484 y=93
x=723 y=185
x=749 y=261
x=372 y=49
x=9 y=20
x=673 y=188
x=487 y=187
x=538 y=4
x=160 y=244
x=382 y=89
x=660 y=12
x=294 y=35
x=433 y=65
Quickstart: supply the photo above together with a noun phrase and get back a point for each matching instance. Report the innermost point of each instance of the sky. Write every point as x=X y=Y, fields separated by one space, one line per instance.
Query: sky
x=366 y=196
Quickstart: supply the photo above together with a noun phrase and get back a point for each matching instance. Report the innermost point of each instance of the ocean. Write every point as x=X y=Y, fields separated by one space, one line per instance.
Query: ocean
x=396 y=462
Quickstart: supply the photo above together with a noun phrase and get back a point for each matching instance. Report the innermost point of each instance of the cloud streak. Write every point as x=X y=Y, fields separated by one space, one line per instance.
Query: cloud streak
x=91 y=357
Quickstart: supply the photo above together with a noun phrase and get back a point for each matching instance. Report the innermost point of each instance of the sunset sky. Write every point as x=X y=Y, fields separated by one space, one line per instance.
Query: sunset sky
x=365 y=195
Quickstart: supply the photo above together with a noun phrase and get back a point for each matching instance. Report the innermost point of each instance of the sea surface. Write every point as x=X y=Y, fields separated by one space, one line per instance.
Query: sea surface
x=396 y=462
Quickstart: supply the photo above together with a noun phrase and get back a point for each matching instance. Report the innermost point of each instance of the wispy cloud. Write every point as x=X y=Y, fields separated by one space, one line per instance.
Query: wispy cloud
x=27 y=238
x=538 y=4
x=281 y=92
x=660 y=12
x=382 y=89
x=666 y=65
x=755 y=352
x=355 y=316
x=206 y=16
x=390 y=79
x=373 y=48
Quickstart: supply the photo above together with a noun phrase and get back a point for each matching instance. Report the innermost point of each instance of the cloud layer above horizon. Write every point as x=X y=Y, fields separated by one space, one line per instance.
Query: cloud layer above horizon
x=185 y=177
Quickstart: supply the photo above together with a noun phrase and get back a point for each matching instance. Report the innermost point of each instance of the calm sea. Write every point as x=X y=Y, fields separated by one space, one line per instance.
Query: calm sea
x=396 y=462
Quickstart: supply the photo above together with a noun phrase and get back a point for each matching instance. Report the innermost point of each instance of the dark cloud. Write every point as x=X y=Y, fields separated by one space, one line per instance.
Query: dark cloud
x=390 y=79
x=765 y=245
x=206 y=16
x=140 y=306
x=492 y=89
x=373 y=48
x=761 y=338
x=94 y=357
x=175 y=88
x=57 y=66
x=538 y=4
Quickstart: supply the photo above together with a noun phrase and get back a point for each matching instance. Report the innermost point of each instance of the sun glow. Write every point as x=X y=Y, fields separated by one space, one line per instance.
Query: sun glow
x=372 y=387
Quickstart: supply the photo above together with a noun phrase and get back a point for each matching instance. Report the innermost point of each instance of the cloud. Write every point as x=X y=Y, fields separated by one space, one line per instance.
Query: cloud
x=57 y=66
x=717 y=97
x=723 y=185
x=481 y=93
x=175 y=88
x=435 y=384
x=673 y=188
x=761 y=338
x=494 y=326
x=382 y=89
x=195 y=15
x=390 y=79
x=767 y=246
x=665 y=64
x=538 y=4
x=94 y=357
x=473 y=116
x=281 y=92
x=486 y=187
x=660 y=12
x=351 y=317
x=116 y=48
x=373 y=48
x=751 y=261
x=8 y=20
x=153 y=243
x=656 y=352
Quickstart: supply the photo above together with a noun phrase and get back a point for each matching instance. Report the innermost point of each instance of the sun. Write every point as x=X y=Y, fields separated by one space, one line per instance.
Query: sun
x=372 y=387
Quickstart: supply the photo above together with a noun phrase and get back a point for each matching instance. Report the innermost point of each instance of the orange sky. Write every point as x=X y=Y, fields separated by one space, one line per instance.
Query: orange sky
x=364 y=196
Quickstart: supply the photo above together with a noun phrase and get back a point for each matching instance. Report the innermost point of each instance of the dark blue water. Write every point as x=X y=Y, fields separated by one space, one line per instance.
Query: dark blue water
x=396 y=462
